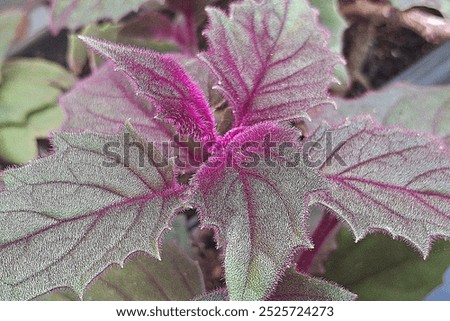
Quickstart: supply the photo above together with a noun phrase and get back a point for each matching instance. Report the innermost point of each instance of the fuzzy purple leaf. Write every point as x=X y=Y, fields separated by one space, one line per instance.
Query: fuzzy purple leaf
x=201 y=74
x=270 y=59
x=385 y=179
x=66 y=217
x=258 y=205
x=177 y=97
x=105 y=100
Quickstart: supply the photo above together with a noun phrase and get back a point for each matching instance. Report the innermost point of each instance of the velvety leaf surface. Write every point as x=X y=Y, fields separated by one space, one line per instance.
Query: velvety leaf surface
x=73 y=14
x=295 y=287
x=201 y=74
x=386 y=179
x=9 y=22
x=422 y=109
x=257 y=206
x=28 y=109
x=302 y=287
x=442 y=5
x=68 y=216
x=177 y=97
x=105 y=100
x=379 y=268
x=335 y=23
x=109 y=99
x=175 y=278
x=270 y=59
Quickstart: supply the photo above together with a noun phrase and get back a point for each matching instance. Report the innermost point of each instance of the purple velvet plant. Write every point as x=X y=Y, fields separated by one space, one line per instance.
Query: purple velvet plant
x=68 y=216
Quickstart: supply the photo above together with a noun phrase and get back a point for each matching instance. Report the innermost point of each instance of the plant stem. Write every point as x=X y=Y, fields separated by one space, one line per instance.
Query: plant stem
x=326 y=225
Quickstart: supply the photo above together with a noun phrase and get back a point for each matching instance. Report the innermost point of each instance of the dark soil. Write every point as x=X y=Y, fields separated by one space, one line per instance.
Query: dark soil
x=388 y=52
x=393 y=52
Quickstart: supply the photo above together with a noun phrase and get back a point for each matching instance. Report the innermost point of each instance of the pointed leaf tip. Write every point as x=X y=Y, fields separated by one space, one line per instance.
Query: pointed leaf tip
x=260 y=210
x=178 y=99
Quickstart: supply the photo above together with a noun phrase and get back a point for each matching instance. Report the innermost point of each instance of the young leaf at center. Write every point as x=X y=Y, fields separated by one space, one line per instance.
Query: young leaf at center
x=258 y=206
x=164 y=81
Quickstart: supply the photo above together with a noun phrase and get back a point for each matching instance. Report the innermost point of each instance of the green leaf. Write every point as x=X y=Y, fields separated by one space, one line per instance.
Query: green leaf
x=176 y=278
x=9 y=22
x=335 y=23
x=25 y=78
x=379 y=268
x=421 y=109
x=28 y=109
x=59 y=295
x=18 y=143
x=66 y=217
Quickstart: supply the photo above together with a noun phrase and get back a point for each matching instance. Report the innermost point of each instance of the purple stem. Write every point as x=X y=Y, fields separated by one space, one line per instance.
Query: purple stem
x=326 y=225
